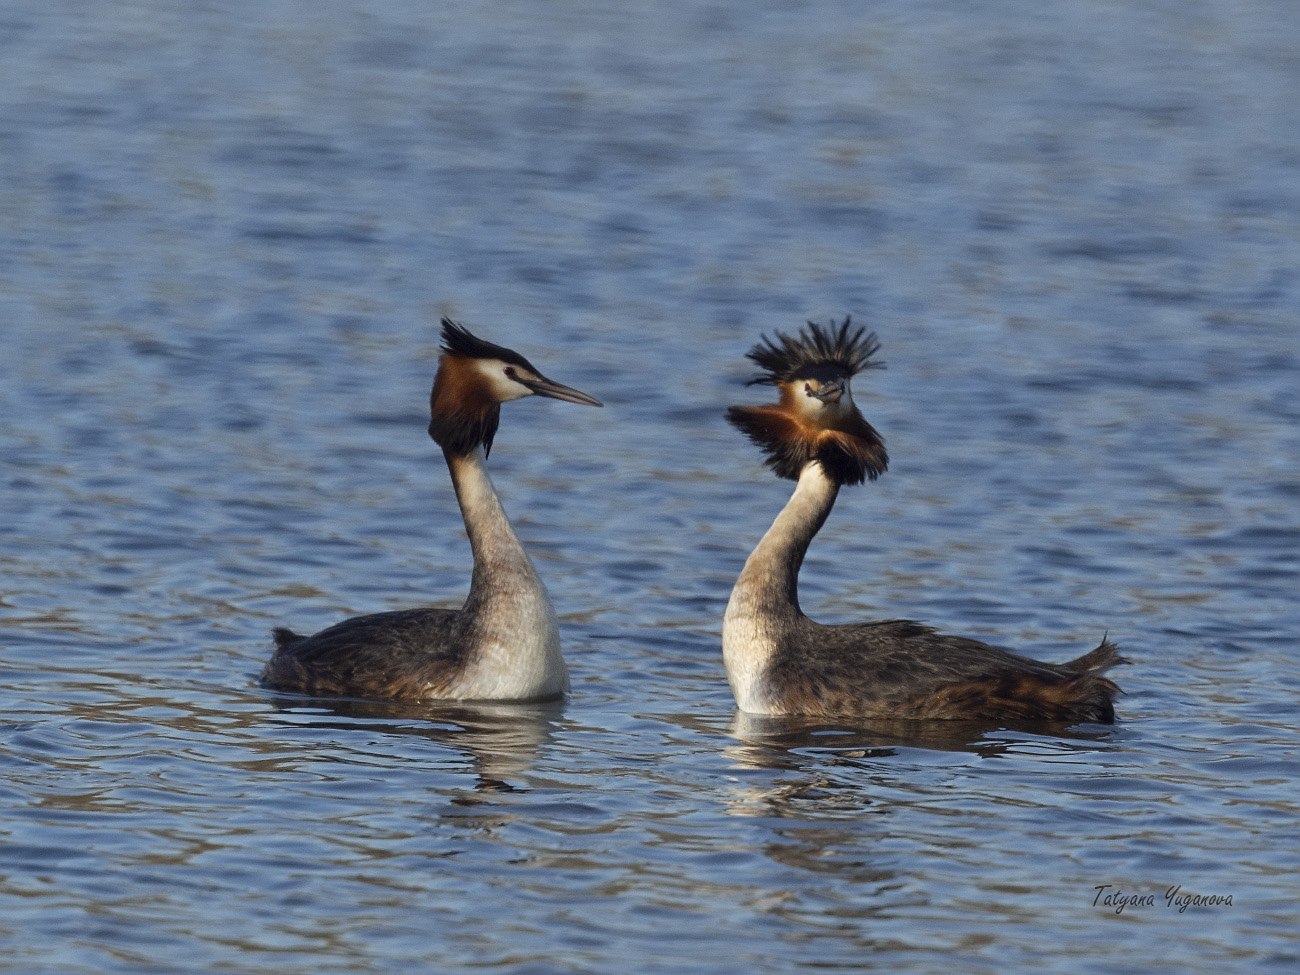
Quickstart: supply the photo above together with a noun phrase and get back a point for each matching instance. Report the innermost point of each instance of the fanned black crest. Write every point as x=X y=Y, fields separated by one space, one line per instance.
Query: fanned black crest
x=817 y=350
x=458 y=340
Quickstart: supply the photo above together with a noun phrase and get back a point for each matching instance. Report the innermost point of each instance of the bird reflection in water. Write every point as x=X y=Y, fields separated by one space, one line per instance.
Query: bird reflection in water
x=781 y=741
x=501 y=740
x=853 y=769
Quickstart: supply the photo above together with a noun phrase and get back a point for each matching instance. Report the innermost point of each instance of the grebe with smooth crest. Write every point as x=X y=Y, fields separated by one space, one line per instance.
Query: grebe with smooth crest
x=779 y=661
x=503 y=644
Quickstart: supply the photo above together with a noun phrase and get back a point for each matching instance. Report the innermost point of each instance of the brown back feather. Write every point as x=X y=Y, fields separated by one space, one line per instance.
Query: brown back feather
x=1026 y=697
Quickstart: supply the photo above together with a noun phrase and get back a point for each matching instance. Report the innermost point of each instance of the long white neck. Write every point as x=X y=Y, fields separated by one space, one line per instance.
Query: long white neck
x=513 y=642
x=764 y=604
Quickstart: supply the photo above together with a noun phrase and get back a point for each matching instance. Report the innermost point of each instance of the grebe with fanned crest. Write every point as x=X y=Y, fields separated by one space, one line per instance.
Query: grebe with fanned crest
x=779 y=661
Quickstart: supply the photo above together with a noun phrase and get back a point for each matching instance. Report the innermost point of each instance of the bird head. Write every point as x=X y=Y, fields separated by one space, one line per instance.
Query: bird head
x=474 y=378
x=815 y=418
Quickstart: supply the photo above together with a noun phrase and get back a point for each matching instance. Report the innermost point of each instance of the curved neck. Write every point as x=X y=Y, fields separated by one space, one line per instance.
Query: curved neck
x=507 y=637
x=771 y=575
x=498 y=555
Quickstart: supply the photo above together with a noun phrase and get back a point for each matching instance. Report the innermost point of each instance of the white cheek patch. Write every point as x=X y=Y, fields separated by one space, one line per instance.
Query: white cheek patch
x=815 y=411
x=503 y=388
x=810 y=407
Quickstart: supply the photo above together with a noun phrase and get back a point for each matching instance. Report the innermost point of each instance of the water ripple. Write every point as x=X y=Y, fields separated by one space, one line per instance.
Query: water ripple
x=225 y=243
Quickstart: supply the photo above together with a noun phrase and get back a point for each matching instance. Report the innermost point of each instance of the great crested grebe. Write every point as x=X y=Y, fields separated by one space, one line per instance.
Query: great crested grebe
x=502 y=645
x=779 y=661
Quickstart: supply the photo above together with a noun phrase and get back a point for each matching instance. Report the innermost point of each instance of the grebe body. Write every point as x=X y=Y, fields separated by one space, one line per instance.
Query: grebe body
x=503 y=644
x=780 y=662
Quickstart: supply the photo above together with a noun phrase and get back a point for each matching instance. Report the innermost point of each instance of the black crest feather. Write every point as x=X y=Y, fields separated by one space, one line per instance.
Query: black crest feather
x=458 y=340
x=838 y=349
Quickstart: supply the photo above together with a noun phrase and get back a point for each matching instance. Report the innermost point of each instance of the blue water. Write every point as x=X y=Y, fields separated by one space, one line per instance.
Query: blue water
x=226 y=234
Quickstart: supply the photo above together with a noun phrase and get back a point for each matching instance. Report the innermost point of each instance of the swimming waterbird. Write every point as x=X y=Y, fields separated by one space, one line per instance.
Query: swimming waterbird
x=779 y=661
x=502 y=645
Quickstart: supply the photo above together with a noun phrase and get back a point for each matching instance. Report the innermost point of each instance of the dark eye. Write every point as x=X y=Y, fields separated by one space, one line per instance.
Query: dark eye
x=808 y=390
x=510 y=371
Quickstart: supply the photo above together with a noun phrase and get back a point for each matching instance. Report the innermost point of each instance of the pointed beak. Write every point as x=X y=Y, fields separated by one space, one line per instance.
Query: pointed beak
x=830 y=392
x=544 y=387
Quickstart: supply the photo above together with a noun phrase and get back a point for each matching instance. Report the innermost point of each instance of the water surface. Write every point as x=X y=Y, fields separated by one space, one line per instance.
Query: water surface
x=226 y=233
